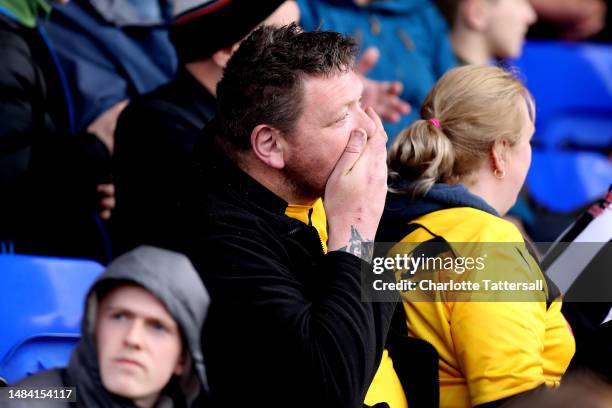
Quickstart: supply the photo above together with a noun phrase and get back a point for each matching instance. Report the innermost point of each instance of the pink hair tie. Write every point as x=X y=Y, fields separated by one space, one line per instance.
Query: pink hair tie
x=435 y=122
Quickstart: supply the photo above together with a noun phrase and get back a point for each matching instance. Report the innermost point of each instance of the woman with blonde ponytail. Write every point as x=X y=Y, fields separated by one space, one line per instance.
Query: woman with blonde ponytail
x=453 y=175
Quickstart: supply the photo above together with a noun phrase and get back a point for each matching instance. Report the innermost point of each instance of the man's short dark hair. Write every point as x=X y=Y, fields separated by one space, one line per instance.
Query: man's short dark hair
x=262 y=82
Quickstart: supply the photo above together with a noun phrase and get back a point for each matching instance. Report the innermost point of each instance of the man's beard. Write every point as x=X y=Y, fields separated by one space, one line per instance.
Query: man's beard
x=297 y=180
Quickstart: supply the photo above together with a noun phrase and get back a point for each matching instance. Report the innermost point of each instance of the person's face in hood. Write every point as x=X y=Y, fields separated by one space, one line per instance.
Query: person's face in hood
x=139 y=344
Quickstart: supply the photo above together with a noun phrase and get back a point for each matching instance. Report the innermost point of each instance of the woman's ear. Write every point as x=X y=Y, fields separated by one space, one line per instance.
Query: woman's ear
x=268 y=146
x=499 y=155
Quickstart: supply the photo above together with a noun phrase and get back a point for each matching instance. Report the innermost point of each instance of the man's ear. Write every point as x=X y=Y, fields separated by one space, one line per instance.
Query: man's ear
x=224 y=54
x=268 y=146
x=475 y=14
x=180 y=364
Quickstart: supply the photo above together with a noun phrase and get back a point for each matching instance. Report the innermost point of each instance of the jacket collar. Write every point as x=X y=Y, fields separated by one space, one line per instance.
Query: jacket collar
x=440 y=197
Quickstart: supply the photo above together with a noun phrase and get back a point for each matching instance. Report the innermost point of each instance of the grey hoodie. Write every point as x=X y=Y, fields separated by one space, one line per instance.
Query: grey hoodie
x=171 y=278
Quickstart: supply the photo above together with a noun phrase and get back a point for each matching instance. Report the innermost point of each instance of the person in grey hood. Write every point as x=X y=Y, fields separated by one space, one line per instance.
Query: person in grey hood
x=140 y=337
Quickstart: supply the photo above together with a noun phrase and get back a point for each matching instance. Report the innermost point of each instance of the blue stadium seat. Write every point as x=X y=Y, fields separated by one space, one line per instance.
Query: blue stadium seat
x=41 y=303
x=572 y=86
x=565 y=181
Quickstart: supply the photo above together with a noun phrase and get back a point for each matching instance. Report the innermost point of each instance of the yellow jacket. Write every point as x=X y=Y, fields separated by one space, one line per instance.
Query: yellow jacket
x=494 y=349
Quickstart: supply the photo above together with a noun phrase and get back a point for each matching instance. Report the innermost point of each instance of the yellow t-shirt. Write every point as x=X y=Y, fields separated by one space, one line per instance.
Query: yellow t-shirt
x=386 y=386
x=311 y=215
x=489 y=350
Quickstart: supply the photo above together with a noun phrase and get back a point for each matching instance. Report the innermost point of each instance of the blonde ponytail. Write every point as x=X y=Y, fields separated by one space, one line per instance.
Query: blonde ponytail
x=421 y=153
x=465 y=113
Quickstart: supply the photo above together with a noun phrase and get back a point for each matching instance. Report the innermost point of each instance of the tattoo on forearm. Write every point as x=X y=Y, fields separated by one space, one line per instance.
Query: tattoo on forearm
x=363 y=248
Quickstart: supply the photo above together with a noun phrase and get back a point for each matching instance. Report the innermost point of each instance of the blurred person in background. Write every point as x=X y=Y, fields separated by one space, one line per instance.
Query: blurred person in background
x=484 y=30
x=52 y=178
x=572 y=20
x=111 y=51
x=565 y=19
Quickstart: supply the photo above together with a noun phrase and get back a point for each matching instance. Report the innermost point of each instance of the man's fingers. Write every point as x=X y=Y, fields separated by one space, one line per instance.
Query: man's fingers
x=352 y=151
x=376 y=119
x=368 y=60
x=356 y=141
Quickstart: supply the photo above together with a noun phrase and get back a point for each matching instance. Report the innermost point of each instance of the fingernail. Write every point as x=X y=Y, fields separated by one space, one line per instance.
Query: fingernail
x=359 y=136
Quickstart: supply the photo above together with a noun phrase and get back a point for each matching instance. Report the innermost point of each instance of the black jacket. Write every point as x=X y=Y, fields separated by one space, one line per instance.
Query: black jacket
x=48 y=175
x=154 y=139
x=287 y=326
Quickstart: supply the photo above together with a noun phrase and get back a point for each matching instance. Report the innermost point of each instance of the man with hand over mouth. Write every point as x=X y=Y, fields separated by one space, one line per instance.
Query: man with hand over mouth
x=289 y=189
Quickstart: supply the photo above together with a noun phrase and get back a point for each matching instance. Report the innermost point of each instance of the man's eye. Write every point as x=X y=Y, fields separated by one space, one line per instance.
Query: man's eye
x=118 y=316
x=158 y=326
x=342 y=118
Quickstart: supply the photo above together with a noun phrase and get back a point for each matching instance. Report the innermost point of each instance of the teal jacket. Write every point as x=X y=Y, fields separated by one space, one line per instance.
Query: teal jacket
x=412 y=37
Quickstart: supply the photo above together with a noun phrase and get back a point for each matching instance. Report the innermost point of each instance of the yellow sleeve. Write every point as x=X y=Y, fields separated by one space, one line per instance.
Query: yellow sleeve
x=499 y=347
x=499 y=344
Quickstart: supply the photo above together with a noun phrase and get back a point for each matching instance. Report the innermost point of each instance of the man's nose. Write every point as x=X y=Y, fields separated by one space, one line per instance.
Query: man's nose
x=133 y=336
x=366 y=123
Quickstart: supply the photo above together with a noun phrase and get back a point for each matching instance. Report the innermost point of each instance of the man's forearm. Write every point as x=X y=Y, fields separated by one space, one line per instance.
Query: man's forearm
x=355 y=244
